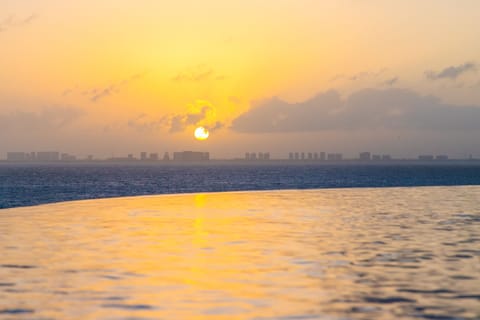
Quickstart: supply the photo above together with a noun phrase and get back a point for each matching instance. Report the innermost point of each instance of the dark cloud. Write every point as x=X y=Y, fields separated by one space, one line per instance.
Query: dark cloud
x=452 y=72
x=12 y=22
x=391 y=109
x=49 y=118
x=197 y=74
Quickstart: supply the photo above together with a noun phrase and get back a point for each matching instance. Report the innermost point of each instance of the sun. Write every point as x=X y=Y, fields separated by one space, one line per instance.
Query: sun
x=201 y=133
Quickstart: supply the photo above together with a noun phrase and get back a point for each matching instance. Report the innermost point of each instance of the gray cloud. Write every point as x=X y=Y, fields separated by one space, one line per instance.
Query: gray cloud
x=392 y=109
x=50 y=118
x=12 y=22
x=452 y=72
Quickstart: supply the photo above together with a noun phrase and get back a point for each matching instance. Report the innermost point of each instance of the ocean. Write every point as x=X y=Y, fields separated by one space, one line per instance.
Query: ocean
x=27 y=184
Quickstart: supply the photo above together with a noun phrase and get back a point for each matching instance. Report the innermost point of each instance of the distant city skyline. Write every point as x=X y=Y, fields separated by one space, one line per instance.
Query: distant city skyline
x=199 y=156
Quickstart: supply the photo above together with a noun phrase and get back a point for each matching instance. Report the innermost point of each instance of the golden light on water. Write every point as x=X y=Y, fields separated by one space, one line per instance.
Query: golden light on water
x=201 y=133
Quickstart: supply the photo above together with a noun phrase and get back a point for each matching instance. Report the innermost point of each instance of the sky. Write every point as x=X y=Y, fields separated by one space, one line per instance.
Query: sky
x=114 y=77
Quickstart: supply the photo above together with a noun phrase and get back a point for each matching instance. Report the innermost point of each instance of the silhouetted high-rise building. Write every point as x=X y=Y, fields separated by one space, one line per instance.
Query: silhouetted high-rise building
x=386 y=157
x=191 y=156
x=143 y=156
x=296 y=156
x=334 y=156
x=323 y=156
x=67 y=157
x=290 y=156
x=247 y=156
x=16 y=156
x=253 y=156
x=310 y=156
x=315 y=156
x=441 y=157
x=260 y=156
x=376 y=157
x=425 y=157
x=266 y=156
x=365 y=156
x=166 y=157
x=153 y=157
x=48 y=156
x=302 y=156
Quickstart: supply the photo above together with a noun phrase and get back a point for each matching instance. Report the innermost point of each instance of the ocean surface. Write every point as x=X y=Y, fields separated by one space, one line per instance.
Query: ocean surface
x=25 y=185
x=358 y=253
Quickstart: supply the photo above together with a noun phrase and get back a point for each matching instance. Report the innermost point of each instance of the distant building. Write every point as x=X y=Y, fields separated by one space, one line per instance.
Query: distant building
x=191 y=156
x=302 y=156
x=315 y=156
x=166 y=156
x=143 y=156
x=260 y=156
x=310 y=156
x=67 y=157
x=90 y=157
x=16 y=156
x=296 y=156
x=441 y=157
x=386 y=157
x=48 y=156
x=323 y=156
x=290 y=156
x=266 y=156
x=153 y=157
x=376 y=157
x=130 y=157
x=425 y=157
x=253 y=156
x=334 y=157
x=247 y=156
x=32 y=156
x=365 y=156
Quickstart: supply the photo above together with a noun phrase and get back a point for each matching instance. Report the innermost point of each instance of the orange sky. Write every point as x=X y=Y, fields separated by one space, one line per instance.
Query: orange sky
x=113 y=77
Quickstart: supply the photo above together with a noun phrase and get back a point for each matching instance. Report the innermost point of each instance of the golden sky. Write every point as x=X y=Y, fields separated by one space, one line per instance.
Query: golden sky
x=113 y=77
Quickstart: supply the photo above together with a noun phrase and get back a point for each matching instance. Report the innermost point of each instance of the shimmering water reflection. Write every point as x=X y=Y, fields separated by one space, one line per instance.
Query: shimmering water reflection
x=316 y=254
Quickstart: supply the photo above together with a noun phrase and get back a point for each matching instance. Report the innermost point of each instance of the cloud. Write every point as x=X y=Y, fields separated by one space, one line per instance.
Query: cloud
x=197 y=74
x=393 y=109
x=363 y=75
x=99 y=93
x=452 y=72
x=50 y=118
x=142 y=123
x=201 y=113
x=12 y=22
x=390 y=82
x=96 y=94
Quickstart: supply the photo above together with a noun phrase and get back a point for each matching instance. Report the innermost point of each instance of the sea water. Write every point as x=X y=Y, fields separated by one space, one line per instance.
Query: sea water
x=30 y=184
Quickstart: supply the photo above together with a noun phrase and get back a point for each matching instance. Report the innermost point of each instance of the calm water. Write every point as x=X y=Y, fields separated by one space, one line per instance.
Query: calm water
x=387 y=253
x=23 y=185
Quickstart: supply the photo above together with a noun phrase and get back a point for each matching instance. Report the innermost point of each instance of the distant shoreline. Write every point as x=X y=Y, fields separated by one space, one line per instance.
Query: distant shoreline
x=235 y=162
